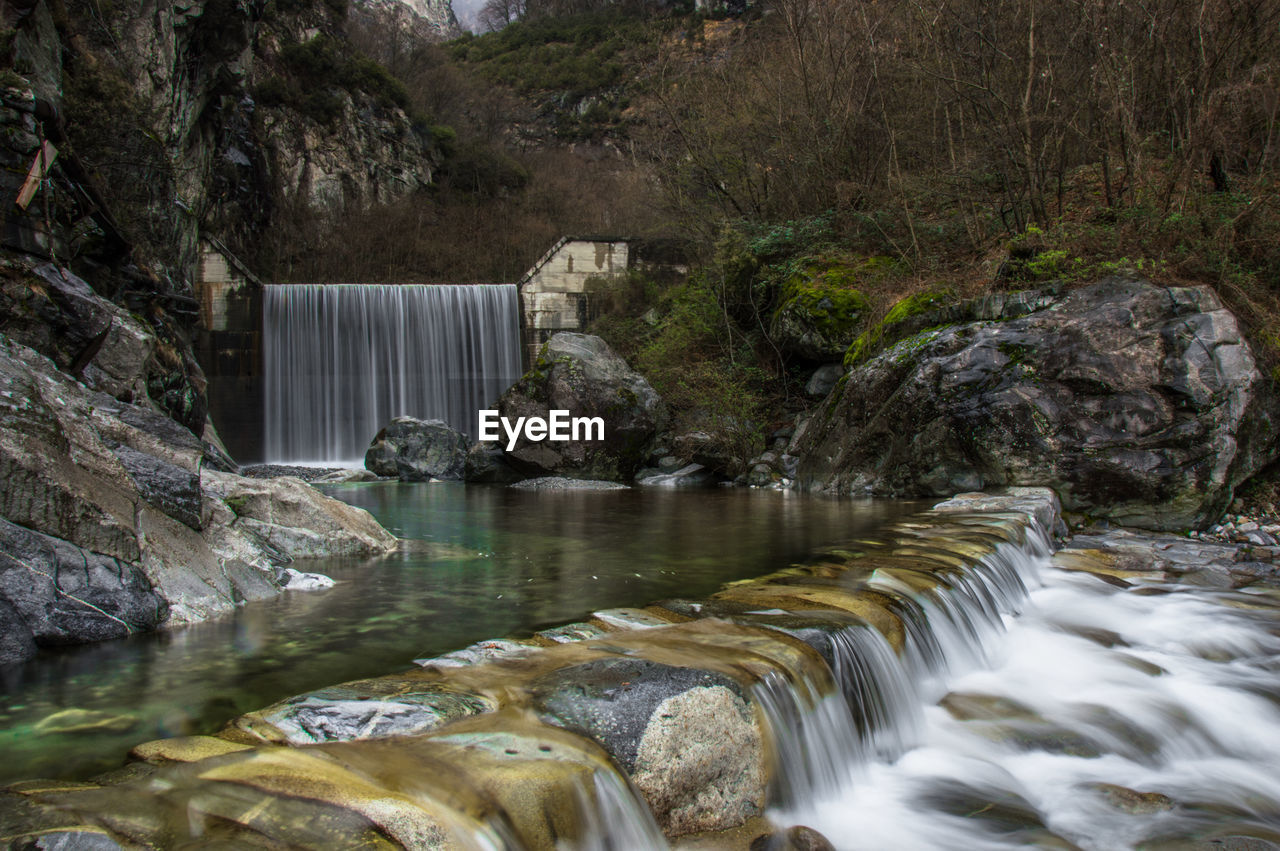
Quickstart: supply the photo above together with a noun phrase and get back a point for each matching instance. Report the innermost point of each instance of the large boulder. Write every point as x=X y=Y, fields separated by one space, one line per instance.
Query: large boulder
x=416 y=450
x=687 y=737
x=819 y=310
x=1134 y=402
x=580 y=374
x=294 y=519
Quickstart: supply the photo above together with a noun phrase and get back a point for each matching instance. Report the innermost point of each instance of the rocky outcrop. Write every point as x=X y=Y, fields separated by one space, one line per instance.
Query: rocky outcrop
x=408 y=23
x=295 y=519
x=1134 y=402
x=109 y=501
x=416 y=450
x=580 y=374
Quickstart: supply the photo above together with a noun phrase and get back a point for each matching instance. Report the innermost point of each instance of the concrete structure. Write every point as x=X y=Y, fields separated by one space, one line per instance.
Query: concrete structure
x=229 y=348
x=560 y=292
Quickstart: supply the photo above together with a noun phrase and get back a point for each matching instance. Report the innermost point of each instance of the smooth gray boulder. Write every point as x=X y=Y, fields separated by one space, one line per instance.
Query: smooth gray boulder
x=824 y=378
x=687 y=737
x=415 y=450
x=580 y=374
x=1135 y=402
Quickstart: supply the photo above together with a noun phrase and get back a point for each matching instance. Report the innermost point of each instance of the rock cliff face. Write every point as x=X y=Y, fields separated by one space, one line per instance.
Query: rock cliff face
x=157 y=123
x=109 y=525
x=1134 y=402
x=413 y=20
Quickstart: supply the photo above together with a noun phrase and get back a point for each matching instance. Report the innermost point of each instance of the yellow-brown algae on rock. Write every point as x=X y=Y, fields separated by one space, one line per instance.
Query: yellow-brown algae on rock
x=185 y=749
x=486 y=650
x=1100 y=562
x=909 y=583
x=622 y=619
x=926 y=558
x=320 y=775
x=743 y=652
x=549 y=784
x=874 y=607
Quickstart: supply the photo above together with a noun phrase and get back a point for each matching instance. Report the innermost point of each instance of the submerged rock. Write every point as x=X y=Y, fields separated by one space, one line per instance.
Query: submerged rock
x=85 y=721
x=416 y=450
x=580 y=374
x=1132 y=801
x=560 y=483
x=1138 y=403
x=798 y=838
x=361 y=710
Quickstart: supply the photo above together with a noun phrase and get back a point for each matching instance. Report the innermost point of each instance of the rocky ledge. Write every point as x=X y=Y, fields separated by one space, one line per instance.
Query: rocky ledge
x=667 y=720
x=110 y=524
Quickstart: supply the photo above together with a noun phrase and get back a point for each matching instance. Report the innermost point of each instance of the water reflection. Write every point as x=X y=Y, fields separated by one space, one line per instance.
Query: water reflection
x=480 y=562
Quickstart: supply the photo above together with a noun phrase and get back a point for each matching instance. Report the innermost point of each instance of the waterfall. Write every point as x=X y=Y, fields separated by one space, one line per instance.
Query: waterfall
x=823 y=744
x=341 y=360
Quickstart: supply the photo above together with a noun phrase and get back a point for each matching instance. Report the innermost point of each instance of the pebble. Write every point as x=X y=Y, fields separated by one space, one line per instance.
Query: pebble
x=1261 y=531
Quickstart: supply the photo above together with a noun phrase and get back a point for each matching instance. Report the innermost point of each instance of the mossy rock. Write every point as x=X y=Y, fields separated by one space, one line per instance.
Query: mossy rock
x=901 y=320
x=820 y=309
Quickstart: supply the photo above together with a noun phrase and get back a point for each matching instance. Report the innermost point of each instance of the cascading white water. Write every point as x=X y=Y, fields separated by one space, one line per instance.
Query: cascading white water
x=1102 y=718
x=614 y=817
x=341 y=360
x=823 y=744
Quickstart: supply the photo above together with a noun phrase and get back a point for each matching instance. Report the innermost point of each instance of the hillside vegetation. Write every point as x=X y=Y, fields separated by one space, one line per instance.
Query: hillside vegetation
x=839 y=153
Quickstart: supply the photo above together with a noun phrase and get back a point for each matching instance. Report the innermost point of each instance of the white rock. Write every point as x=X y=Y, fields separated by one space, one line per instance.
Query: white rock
x=296 y=580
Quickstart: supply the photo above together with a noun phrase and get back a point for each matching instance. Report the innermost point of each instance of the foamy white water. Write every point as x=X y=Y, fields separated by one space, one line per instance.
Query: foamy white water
x=1163 y=690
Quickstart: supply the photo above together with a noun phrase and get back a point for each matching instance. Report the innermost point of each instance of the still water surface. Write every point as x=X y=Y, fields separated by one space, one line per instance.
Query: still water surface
x=479 y=562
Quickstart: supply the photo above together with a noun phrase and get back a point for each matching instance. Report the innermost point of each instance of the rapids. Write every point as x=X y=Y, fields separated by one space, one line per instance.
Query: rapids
x=1102 y=717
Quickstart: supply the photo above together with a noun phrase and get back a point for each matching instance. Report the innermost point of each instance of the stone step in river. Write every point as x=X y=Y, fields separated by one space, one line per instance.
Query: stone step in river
x=952 y=684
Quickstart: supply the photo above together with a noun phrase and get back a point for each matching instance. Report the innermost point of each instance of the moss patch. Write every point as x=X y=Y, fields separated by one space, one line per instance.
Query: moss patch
x=875 y=338
x=827 y=296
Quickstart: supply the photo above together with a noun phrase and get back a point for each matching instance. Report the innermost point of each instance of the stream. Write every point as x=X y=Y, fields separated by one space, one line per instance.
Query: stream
x=478 y=562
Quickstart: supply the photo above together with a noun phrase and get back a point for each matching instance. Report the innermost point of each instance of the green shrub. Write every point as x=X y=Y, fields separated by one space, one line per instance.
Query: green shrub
x=312 y=74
